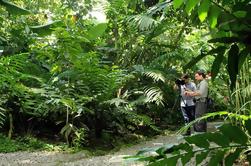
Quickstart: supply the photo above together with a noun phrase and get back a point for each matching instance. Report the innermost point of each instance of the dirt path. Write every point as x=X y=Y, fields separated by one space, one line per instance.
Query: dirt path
x=79 y=159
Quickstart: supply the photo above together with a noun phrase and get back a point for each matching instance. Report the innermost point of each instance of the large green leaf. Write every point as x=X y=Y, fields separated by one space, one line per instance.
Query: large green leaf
x=232 y=66
x=218 y=138
x=174 y=148
x=217 y=63
x=96 y=31
x=14 y=9
x=177 y=3
x=199 y=140
x=203 y=9
x=46 y=29
x=190 y=4
x=234 y=134
x=213 y=16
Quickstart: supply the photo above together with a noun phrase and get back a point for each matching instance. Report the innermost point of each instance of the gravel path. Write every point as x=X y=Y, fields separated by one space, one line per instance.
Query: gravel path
x=81 y=159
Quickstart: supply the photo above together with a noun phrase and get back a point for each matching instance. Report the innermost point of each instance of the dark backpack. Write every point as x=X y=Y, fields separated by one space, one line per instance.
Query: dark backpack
x=210 y=105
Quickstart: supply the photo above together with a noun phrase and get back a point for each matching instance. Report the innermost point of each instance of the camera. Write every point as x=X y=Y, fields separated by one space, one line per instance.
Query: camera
x=180 y=82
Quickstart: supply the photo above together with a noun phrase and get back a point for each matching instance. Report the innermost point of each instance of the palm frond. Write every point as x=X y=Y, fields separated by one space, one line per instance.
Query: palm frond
x=142 y=22
x=159 y=7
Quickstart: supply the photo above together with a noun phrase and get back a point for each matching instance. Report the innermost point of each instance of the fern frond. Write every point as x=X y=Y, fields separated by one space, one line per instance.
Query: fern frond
x=156 y=75
x=154 y=94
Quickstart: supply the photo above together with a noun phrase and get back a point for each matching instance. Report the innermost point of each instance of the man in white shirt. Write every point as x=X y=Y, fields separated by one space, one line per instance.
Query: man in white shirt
x=187 y=103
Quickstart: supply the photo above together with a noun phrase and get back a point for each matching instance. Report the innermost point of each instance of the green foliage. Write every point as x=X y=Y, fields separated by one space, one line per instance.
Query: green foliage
x=47 y=29
x=14 y=9
x=26 y=144
x=219 y=14
x=224 y=145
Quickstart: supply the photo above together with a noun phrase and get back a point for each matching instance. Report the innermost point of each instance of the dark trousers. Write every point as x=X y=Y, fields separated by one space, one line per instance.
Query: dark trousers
x=188 y=115
x=200 y=110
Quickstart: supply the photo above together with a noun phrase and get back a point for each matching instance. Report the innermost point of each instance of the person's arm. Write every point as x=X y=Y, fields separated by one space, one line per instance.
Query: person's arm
x=202 y=90
x=190 y=93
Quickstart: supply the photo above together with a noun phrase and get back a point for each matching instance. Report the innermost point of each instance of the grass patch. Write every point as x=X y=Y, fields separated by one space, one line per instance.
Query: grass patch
x=28 y=144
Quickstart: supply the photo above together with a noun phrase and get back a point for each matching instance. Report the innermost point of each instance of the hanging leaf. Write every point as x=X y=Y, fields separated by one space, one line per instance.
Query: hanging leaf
x=232 y=65
x=217 y=63
x=14 y=9
x=96 y=31
x=177 y=3
x=242 y=57
x=203 y=9
x=190 y=4
x=214 y=13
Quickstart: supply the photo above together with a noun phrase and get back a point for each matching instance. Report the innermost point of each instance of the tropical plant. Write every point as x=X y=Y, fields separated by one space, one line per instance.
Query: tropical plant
x=223 y=146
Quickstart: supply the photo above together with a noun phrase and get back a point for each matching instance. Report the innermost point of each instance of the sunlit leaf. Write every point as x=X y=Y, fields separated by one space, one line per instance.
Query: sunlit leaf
x=177 y=3
x=96 y=31
x=203 y=9
x=213 y=16
x=190 y=4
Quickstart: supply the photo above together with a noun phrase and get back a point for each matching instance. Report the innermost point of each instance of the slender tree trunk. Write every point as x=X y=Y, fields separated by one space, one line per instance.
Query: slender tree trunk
x=11 y=125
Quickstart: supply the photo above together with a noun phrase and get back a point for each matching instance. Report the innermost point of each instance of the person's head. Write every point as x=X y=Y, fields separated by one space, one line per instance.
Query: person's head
x=185 y=77
x=200 y=75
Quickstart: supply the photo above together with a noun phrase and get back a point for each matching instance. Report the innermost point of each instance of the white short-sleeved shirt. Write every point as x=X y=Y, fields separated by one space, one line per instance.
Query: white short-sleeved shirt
x=187 y=100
